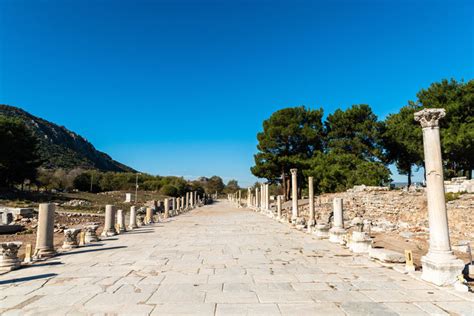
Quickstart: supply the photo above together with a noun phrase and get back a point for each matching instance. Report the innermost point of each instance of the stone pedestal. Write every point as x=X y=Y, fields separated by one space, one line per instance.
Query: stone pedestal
x=9 y=256
x=45 y=231
x=300 y=223
x=321 y=231
x=360 y=242
x=294 y=195
x=91 y=232
x=337 y=232
x=121 y=221
x=70 y=238
x=133 y=218
x=440 y=266
x=109 y=229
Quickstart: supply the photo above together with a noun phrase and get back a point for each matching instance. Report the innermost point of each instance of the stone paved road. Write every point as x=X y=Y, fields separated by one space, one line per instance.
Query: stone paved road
x=219 y=260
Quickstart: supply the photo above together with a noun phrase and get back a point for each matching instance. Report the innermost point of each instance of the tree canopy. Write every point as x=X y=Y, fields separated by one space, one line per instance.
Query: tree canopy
x=19 y=157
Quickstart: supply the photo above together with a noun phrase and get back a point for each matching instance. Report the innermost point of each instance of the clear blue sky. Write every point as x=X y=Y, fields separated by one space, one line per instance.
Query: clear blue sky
x=182 y=87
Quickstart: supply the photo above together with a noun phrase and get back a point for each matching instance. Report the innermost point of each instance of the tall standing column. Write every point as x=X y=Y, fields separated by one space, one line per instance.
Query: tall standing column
x=257 y=196
x=149 y=216
x=121 y=221
x=267 y=196
x=249 y=197
x=440 y=266
x=167 y=208
x=45 y=231
x=294 y=195
x=133 y=218
x=337 y=232
x=195 y=198
x=175 y=209
x=279 y=198
x=109 y=229
x=311 y=221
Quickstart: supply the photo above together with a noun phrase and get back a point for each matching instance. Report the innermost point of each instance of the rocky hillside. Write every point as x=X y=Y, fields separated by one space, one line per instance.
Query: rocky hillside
x=62 y=148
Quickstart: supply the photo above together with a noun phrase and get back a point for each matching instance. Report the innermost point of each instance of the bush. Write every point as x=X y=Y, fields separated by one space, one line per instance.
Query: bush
x=169 y=190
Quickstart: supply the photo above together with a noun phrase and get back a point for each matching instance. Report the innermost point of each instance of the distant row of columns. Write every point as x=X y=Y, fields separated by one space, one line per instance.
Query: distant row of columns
x=114 y=224
x=440 y=266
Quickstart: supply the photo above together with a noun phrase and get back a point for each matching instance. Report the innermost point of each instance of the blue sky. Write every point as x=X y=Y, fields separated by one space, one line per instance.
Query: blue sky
x=182 y=87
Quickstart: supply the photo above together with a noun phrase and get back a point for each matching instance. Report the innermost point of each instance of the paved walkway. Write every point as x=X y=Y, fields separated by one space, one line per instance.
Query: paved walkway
x=219 y=260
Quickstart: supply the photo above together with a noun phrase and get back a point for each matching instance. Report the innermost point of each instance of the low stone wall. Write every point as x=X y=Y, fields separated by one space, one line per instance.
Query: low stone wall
x=396 y=210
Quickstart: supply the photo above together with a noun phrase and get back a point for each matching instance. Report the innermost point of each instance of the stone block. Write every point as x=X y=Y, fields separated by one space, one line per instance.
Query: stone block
x=386 y=255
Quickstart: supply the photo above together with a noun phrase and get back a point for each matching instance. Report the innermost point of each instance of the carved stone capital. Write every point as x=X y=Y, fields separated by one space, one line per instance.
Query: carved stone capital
x=429 y=117
x=293 y=171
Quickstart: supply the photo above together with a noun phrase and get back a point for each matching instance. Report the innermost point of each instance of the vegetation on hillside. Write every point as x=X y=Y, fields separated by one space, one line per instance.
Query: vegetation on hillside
x=59 y=147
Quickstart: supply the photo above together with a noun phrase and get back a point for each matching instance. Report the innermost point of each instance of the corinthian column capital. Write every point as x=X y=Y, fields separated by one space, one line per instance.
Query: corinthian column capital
x=430 y=117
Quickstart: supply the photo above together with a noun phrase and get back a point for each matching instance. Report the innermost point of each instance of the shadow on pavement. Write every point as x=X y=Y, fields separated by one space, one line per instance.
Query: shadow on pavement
x=30 y=278
x=89 y=250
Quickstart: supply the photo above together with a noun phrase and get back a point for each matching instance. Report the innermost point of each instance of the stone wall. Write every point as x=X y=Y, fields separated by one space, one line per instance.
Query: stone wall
x=396 y=210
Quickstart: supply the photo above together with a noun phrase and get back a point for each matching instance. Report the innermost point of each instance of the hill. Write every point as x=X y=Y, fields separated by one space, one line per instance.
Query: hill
x=62 y=148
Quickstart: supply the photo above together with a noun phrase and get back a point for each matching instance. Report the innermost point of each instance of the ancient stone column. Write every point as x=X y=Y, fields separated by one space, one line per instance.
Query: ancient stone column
x=70 y=238
x=440 y=266
x=294 y=195
x=249 y=197
x=186 y=205
x=267 y=196
x=311 y=220
x=45 y=231
x=195 y=198
x=257 y=202
x=133 y=218
x=9 y=256
x=109 y=229
x=149 y=216
x=167 y=208
x=121 y=221
x=174 y=208
x=91 y=232
x=337 y=232
x=279 y=198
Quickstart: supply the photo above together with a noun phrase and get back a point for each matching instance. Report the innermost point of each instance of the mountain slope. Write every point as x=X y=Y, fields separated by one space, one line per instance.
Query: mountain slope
x=62 y=148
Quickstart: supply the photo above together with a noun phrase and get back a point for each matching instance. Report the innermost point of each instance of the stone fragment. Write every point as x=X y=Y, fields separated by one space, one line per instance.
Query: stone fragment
x=70 y=238
x=386 y=255
x=91 y=233
x=9 y=256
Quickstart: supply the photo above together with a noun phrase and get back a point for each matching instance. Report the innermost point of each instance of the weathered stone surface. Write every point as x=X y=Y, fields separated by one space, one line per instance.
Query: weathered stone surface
x=180 y=266
x=386 y=255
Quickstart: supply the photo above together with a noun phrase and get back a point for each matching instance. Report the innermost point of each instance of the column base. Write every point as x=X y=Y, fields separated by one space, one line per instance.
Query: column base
x=132 y=226
x=441 y=272
x=108 y=233
x=336 y=235
x=44 y=253
x=321 y=231
x=360 y=242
